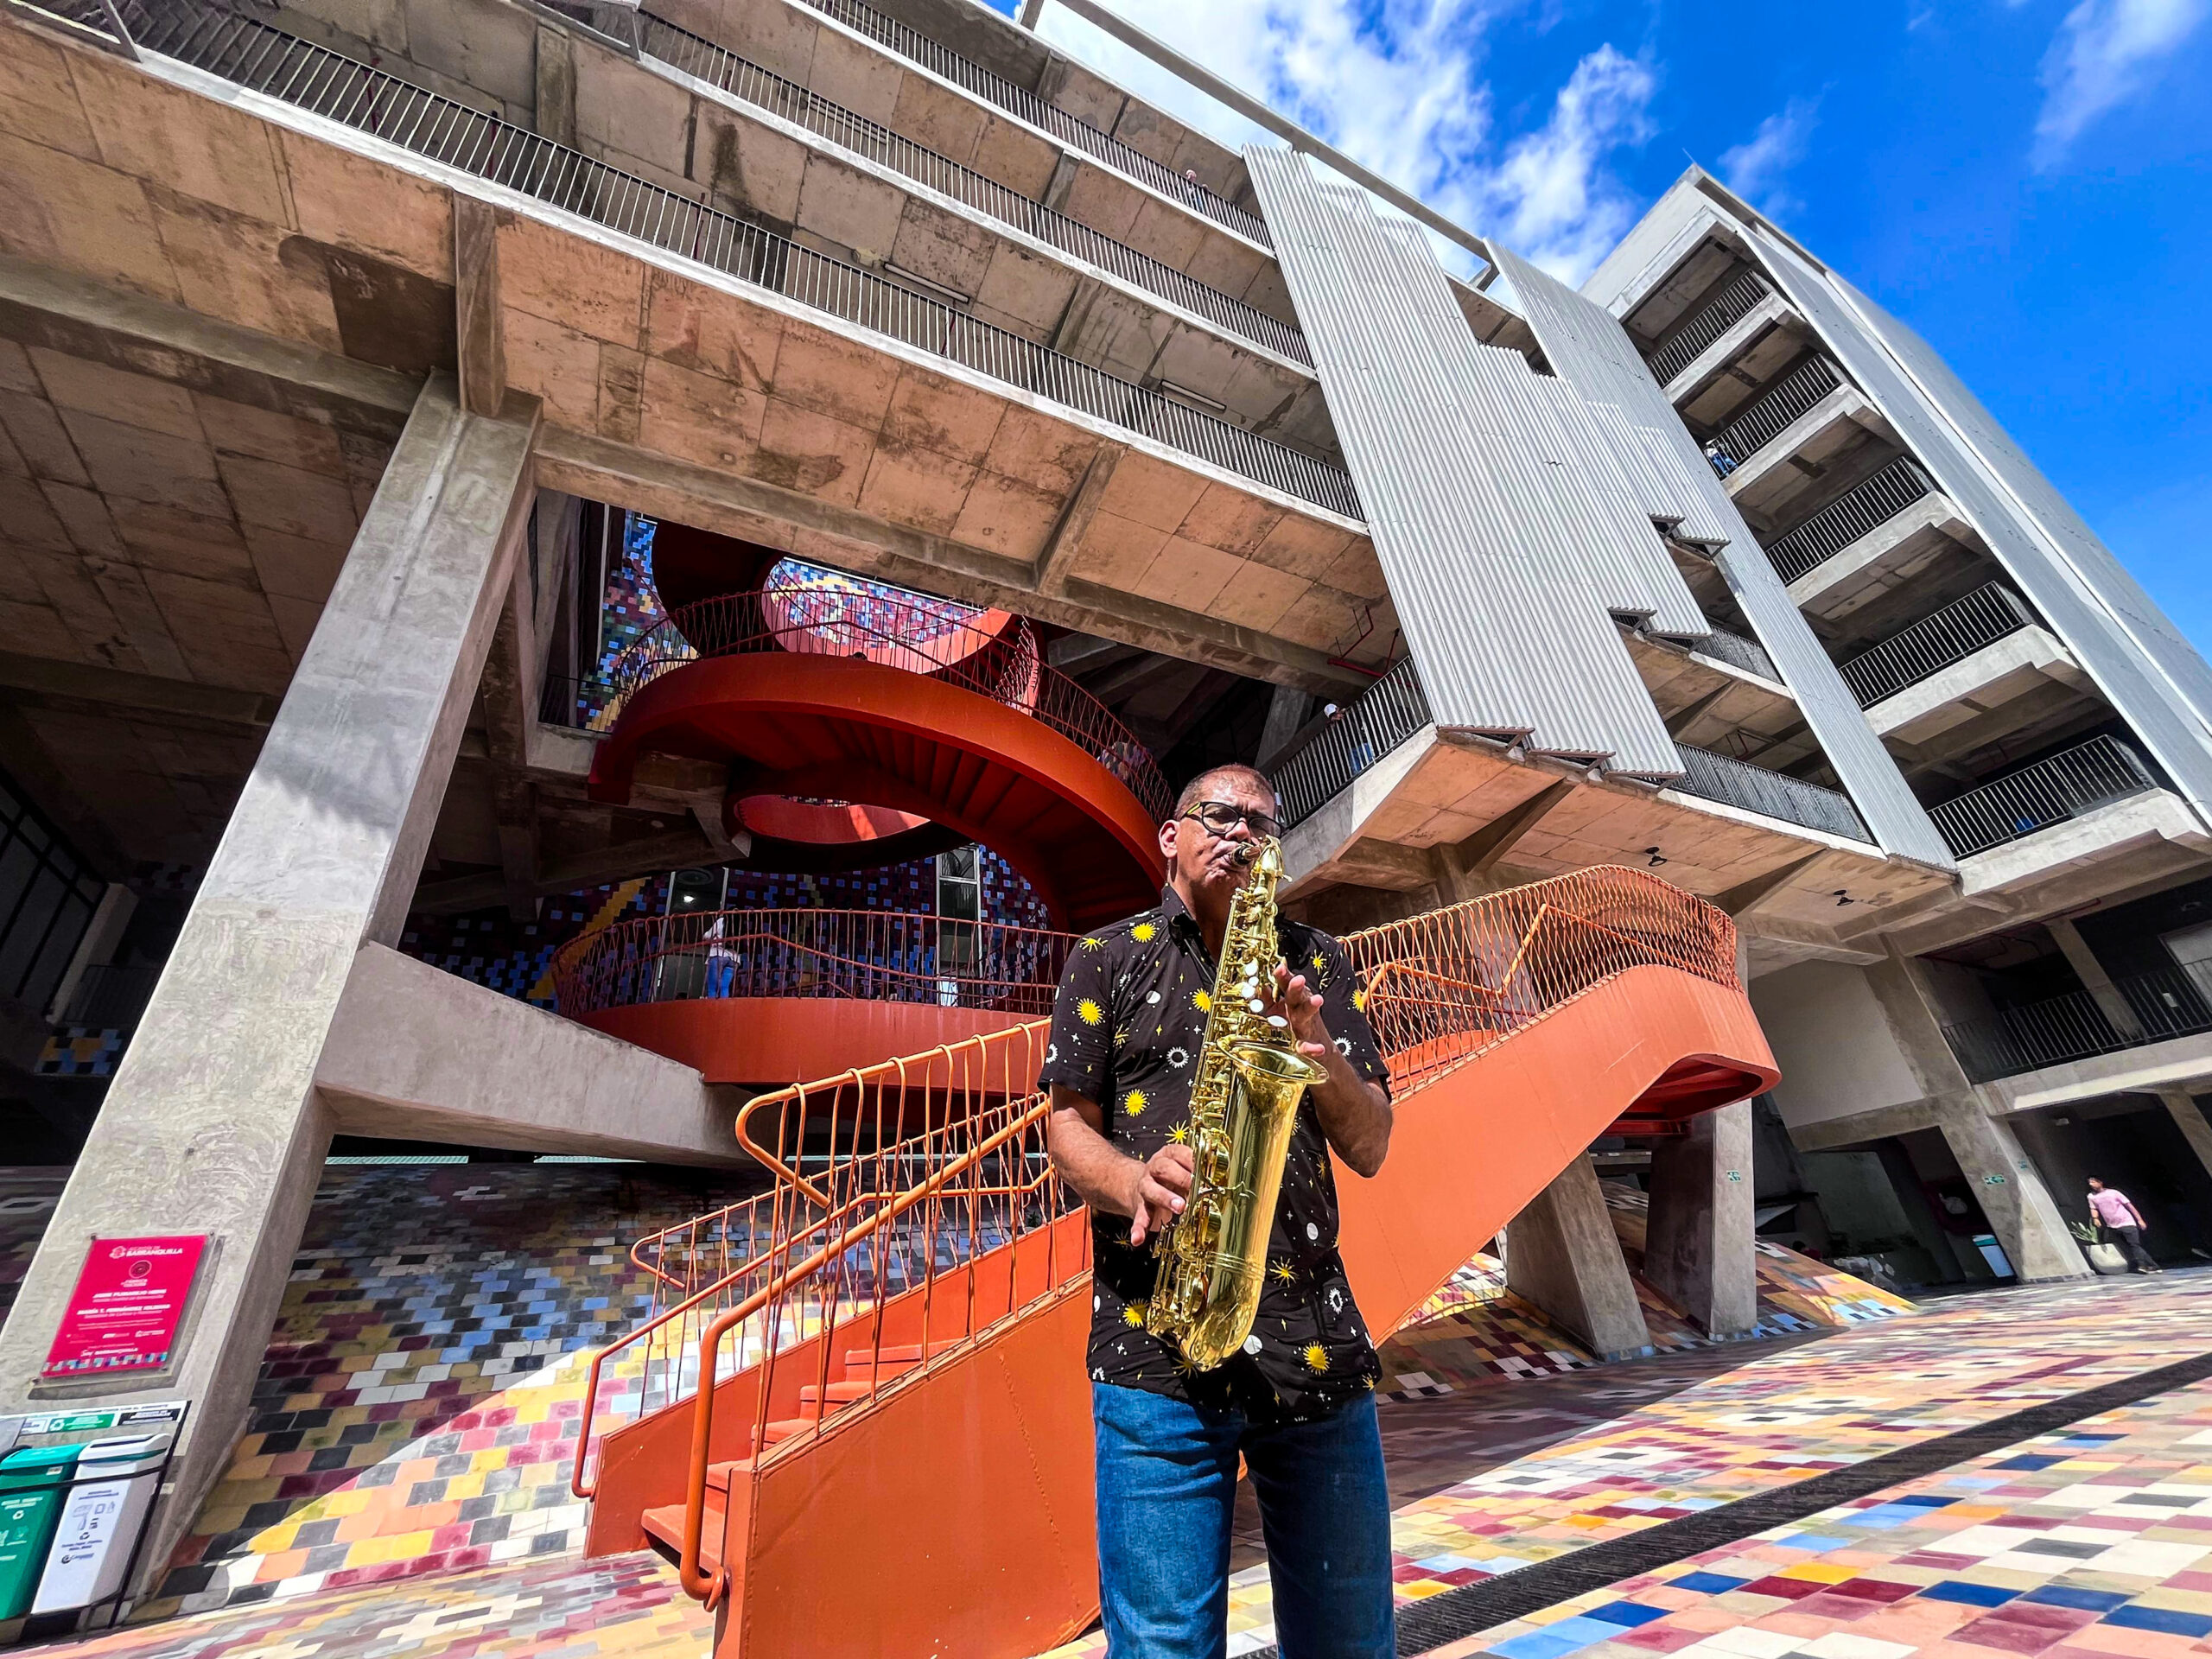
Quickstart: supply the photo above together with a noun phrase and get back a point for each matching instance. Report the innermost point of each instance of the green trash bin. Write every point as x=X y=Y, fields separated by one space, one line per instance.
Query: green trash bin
x=31 y=1496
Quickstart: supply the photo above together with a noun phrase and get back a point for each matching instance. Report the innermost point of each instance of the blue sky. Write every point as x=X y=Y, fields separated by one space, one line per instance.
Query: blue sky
x=2026 y=182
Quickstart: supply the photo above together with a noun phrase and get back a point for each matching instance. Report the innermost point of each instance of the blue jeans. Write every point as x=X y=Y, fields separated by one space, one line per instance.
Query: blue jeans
x=1166 y=1491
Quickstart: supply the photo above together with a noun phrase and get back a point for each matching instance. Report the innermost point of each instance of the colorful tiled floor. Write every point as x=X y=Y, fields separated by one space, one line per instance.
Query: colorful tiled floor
x=1485 y=1480
x=2093 y=1540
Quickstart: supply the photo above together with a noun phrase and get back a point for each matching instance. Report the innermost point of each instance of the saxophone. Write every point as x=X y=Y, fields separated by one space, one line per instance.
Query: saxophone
x=1243 y=1106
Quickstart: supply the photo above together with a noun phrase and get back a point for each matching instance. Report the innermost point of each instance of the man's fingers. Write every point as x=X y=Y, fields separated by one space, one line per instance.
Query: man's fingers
x=1161 y=1198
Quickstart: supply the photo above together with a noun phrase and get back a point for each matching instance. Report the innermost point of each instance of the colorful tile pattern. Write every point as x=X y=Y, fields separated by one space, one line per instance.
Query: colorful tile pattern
x=2091 y=1540
x=81 y=1052
x=1768 y=1420
x=418 y=1407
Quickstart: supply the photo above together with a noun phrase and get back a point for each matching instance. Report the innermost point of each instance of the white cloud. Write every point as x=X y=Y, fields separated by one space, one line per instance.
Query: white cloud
x=1403 y=93
x=2105 y=53
x=1757 y=169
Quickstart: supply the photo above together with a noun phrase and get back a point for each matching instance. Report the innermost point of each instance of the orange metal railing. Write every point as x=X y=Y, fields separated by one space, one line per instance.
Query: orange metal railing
x=991 y=653
x=874 y=955
x=913 y=1176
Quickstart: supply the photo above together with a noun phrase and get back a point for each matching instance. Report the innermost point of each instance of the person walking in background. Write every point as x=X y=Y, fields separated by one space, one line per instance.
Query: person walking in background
x=2119 y=1218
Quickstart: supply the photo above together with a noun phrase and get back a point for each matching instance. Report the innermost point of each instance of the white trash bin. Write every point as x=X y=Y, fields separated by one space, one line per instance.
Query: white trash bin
x=100 y=1518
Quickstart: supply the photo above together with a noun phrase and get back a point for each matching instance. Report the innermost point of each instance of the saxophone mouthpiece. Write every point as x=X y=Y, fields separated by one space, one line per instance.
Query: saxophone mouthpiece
x=1249 y=852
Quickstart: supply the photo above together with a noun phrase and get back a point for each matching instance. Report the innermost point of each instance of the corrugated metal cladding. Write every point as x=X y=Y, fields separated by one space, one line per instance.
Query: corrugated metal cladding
x=1504 y=546
x=1590 y=350
x=2139 y=659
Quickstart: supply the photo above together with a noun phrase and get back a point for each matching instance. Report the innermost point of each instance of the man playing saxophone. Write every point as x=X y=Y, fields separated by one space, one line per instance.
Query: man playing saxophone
x=1298 y=1402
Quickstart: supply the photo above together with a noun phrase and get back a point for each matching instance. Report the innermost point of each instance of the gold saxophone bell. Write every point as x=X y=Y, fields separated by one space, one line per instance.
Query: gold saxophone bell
x=1243 y=1107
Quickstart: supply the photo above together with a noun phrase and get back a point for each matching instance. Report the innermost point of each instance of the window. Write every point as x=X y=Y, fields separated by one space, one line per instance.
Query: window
x=47 y=901
x=959 y=908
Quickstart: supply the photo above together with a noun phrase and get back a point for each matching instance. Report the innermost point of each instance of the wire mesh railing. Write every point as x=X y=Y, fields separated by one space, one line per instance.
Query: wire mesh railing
x=1706 y=324
x=1368 y=727
x=1770 y=414
x=2143 y=1009
x=267 y=60
x=1739 y=651
x=872 y=956
x=2077 y=780
x=1026 y=105
x=111 y=996
x=1863 y=508
x=1772 y=794
x=720 y=67
x=989 y=652
x=1933 y=644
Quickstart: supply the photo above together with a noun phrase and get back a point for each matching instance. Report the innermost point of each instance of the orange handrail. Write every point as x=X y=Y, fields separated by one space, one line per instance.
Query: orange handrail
x=709 y=1589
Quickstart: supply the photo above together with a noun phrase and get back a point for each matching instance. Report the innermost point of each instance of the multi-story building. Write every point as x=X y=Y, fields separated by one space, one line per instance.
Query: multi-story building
x=457 y=453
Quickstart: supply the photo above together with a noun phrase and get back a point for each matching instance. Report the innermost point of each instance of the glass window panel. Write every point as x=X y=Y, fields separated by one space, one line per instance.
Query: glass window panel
x=20 y=944
x=52 y=958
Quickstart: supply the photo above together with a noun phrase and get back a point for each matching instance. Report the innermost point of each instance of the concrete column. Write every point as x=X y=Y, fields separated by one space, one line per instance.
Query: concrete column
x=212 y=1125
x=2094 y=978
x=1562 y=1254
x=2182 y=1107
x=1697 y=1249
x=2025 y=1217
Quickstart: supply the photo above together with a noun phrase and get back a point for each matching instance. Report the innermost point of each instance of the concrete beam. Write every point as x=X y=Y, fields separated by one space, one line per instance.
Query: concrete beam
x=2091 y=972
x=2181 y=1106
x=627 y=476
x=618 y=862
x=2176 y=1063
x=1066 y=540
x=1482 y=852
x=479 y=1068
x=38 y=306
x=46 y=682
x=1698 y=1248
x=477 y=326
x=212 y=1124
x=1562 y=1254
x=1743 y=900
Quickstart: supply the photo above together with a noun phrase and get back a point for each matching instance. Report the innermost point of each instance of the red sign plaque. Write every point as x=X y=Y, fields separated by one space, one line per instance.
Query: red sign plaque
x=129 y=1301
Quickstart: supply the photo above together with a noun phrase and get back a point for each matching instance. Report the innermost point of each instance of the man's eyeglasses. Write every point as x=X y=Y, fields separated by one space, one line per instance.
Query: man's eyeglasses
x=1222 y=816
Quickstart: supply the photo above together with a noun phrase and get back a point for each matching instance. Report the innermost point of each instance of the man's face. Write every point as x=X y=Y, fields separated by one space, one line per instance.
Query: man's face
x=1205 y=862
x=2095 y=1186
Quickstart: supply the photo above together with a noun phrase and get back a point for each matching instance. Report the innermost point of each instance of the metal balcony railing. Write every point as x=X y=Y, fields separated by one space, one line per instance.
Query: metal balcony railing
x=1738 y=783
x=1863 y=507
x=111 y=998
x=1706 y=324
x=870 y=956
x=2094 y=774
x=2162 y=1004
x=1934 y=642
x=1770 y=414
x=1737 y=651
x=1020 y=102
x=311 y=78
x=681 y=50
x=1368 y=727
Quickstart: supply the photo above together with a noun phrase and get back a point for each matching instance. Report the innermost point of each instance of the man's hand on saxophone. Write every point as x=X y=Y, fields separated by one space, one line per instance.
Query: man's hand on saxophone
x=1355 y=1114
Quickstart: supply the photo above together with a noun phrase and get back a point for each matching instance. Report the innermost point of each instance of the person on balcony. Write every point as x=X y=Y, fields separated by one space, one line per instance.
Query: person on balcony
x=1298 y=1404
x=2120 y=1219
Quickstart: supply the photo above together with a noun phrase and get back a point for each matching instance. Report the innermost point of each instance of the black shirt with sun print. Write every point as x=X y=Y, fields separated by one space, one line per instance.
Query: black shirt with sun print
x=1126 y=1029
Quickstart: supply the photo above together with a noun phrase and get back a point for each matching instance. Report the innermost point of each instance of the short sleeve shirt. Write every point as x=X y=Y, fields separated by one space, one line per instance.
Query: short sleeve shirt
x=1127 y=1030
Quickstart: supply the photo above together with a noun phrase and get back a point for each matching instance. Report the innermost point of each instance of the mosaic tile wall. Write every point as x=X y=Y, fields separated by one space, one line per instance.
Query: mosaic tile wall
x=1475 y=1331
x=421 y=1397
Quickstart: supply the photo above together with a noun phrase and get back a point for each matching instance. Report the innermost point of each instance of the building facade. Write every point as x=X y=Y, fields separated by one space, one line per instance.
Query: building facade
x=475 y=465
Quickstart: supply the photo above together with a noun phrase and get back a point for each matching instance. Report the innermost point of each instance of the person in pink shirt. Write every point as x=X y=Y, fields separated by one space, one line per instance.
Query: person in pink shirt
x=2123 y=1221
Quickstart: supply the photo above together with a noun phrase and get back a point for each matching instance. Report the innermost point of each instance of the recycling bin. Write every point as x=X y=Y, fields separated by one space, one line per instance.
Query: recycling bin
x=32 y=1491
x=99 y=1520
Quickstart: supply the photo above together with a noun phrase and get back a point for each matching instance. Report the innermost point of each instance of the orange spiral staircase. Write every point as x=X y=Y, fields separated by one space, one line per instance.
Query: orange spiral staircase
x=860 y=726
x=893 y=1333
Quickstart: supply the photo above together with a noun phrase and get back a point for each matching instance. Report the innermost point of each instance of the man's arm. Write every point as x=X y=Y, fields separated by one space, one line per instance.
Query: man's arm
x=1150 y=1194
x=1355 y=1114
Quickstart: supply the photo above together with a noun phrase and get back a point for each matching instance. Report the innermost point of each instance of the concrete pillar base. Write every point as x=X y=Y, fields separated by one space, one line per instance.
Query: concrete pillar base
x=1698 y=1248
x=2025 y=1217
x=1562 y=1254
